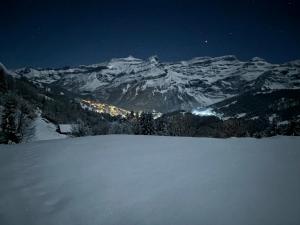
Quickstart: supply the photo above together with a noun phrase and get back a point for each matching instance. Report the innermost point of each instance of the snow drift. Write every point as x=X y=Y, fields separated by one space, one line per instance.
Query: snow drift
x=151 y=180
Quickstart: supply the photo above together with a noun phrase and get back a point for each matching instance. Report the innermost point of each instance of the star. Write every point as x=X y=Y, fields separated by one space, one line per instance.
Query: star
x=206 y=41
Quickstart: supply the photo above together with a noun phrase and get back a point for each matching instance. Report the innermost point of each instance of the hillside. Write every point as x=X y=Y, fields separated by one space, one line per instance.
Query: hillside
x=151 y=180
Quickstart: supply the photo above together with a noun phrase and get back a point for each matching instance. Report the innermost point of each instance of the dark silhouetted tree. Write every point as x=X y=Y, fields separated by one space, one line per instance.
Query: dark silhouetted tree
x=3 y=82
x=9 y=126
x=146 y=124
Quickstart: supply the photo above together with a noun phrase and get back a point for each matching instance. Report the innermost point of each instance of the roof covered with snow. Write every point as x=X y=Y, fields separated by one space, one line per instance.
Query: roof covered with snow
x=65 y=128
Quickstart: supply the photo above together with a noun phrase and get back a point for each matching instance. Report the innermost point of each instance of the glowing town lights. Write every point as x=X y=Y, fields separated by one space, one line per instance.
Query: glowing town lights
x=104 y=108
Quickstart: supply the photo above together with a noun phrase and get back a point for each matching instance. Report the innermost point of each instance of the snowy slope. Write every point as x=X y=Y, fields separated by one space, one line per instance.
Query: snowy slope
x=138 y=84
x=44 y=130
x=151 y=180
x=284 y=104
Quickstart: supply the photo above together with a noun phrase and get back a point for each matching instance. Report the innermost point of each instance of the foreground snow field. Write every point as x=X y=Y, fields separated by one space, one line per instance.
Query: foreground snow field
x=151 y=180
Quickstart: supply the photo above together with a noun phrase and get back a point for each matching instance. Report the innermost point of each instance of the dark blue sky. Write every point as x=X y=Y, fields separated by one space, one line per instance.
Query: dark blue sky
x=57 y=33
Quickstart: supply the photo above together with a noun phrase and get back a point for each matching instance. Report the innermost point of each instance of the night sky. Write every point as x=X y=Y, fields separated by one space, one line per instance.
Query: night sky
x=60 y=33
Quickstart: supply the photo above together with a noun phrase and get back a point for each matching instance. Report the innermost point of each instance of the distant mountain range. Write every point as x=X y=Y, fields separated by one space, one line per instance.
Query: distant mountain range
x=231 y=87
x=147 y=85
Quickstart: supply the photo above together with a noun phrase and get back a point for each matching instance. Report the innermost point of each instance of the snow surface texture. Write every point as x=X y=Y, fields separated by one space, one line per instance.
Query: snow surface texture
x=151 y=180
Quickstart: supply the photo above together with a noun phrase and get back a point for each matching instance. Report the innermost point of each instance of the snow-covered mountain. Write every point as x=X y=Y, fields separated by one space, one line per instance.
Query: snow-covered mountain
x=148 y=85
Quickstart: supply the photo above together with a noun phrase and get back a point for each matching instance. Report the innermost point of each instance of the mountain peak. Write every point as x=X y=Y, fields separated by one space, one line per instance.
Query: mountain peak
x=154 y=59
x=227 y=58
x=255 y=59
x=131 y=58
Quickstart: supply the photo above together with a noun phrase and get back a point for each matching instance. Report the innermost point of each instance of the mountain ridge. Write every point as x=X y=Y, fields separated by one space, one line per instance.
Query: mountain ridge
x=137 y=84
